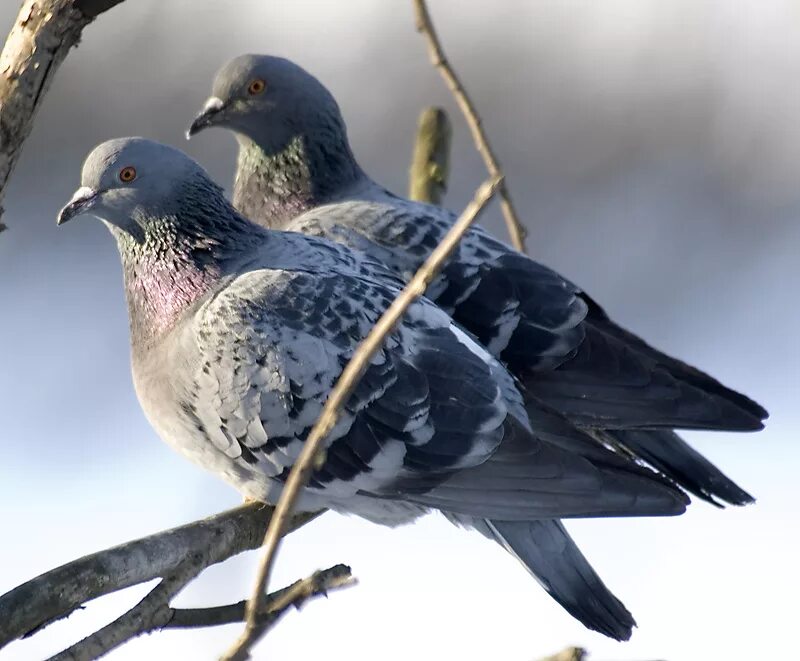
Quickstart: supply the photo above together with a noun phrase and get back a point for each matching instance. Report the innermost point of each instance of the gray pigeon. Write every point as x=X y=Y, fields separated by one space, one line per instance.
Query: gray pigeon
x=239 y=332
x=296 y=171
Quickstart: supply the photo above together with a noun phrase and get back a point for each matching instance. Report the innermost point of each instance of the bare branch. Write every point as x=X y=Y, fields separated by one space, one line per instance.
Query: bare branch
x=39 y=40
x=213 y=616
x=312 y=454
x=57 y=593
x=439 y=60
x=278 y=602
x=153 y=612
x=430 y=164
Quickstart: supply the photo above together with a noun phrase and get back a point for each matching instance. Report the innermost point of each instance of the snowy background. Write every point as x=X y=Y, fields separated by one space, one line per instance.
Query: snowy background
x=653 y=149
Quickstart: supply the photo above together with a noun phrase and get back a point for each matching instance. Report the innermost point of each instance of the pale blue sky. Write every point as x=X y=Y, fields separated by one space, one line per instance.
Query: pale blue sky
x=654 y=149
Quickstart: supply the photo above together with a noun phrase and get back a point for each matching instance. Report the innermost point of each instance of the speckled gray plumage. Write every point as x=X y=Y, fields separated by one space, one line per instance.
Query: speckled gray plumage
x=233 y=368
x=245 y=330
x=551 y=333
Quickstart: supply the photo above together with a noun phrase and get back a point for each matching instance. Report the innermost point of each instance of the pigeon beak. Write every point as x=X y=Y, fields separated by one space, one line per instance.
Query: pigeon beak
x=82 y=201
x=210 y=110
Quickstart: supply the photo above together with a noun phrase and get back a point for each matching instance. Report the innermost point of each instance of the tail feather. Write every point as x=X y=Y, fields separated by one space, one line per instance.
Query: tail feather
x=611 y=383
x=552 y=557
x=671 y=455
x=680 y=370
x=558 y=472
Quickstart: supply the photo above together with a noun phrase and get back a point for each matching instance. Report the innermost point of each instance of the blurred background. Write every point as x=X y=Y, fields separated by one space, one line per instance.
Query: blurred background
x=653 y=149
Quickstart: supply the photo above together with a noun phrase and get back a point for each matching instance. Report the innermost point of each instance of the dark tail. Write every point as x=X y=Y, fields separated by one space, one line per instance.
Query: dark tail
x=550 y=554
x=671 y=455
x=677 y=368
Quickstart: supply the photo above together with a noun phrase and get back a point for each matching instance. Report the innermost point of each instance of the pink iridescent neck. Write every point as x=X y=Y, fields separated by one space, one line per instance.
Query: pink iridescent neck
x=161 y=289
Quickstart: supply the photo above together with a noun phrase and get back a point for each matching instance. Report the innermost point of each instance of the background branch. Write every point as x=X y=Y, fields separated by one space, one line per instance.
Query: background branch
x=430 y=163
x=439 y=60
x=40 y=38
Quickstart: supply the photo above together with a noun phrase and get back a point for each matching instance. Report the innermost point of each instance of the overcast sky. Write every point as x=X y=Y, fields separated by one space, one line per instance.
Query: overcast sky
x=653 y=149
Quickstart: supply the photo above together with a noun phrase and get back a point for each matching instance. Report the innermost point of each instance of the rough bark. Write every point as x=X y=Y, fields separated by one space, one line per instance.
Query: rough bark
x=40 y=39
x=57 y=593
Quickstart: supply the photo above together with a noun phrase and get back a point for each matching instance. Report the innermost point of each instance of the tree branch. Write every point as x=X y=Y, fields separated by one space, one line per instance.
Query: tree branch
x=57 y=593
x=150 y=613
x=313 y=454
x=430 y=164
x=153 y=612
x=439 y=60
x=39 y=40
x=278 y=602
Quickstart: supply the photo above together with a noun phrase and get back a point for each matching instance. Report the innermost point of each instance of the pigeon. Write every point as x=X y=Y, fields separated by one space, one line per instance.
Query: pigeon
x=238 y=333
x=296 y=171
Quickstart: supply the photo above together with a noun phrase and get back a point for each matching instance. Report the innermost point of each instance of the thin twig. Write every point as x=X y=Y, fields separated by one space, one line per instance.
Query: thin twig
x=439 y=60
x=312 y=453
x=37 y=603
x=430 y=164
x=212 y=616
x=37 y=44
x=277 y=602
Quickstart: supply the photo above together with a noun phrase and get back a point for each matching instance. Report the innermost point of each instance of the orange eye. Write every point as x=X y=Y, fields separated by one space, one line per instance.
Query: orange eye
x=256 y=86
x=127 y=175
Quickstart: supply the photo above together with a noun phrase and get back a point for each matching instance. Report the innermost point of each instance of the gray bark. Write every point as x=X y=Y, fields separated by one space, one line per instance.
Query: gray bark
x=57 y=593
x=40 y=39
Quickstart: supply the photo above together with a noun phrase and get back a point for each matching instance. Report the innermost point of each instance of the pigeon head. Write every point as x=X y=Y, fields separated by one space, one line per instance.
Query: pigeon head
x=176 y=232
x=128 y=181
x=268 y=100
x=293 y=148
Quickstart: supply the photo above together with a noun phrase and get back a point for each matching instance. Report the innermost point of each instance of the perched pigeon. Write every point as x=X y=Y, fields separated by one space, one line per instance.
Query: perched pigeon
x=239 y=332
x=296 y=171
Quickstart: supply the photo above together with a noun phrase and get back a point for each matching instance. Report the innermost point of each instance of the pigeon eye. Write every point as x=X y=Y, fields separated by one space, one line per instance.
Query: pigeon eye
x=256 y=87
x=127 y=175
